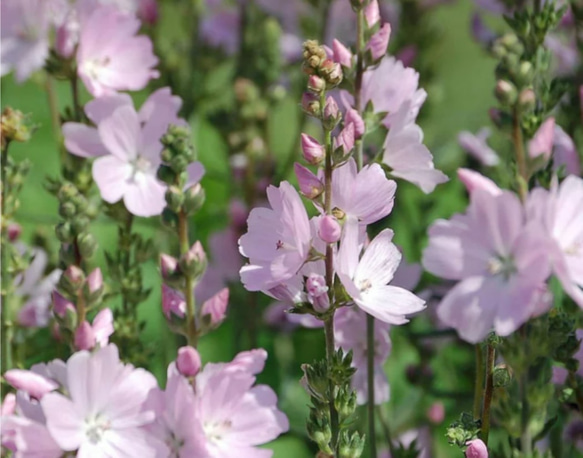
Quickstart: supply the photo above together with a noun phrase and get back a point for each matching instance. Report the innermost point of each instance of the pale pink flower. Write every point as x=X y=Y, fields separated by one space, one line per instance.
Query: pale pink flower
x=87 y=335
x=220 y=26
x=127 y=144
x=366 y=281
x=542 y=142
x=473 y=180
x=476 y=449
x=559 y=211
x=565 y=153
x=25 y=36
x=377 y=45
x=341 y=54
x=26 y=437
x=115 y=61
x=500 y=261
x=407 y=156
x=103 y=413
x=188 y=361
x=477 y=146
x=278 y=239
x=216 y=307
x=310 y=185
x=35 y=385
x=350 y=334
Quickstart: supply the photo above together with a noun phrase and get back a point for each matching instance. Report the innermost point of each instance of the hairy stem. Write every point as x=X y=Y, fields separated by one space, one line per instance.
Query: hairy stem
x=192 y=333
x=6 y=278
x=479 y=382
x=491 y=354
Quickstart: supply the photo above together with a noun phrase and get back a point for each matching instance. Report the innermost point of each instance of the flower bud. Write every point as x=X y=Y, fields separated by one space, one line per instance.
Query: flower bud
x=318 y=292
x=67 y=36
x=476 y=449
x=316 y=84
x=169 y=218
x=542 y=142
x=173 y=303
x=8 y=405
x=329 y=230
x=372 y=13
x=148 y=11
x=527 y=100
x=164 y=173
x=174 y=198
x=353 y=117
x=436 y=413
x=95 y=281
x=313 y=152
x=345 y=139
x=332 y=72
x=311 y=104
x=332 y=114
x=310 y=184
x=14 y=230
x=84 y=337
x=525 y=73
x=341 y=54
x=194 y=198
x=72 y=279
x=215 y=308
x=30 y=382
x=378 y=43
x=505 y=92
x=14 y=126
x=87 y=245
x=168 y=265
x=193 y=262
x=188 y=361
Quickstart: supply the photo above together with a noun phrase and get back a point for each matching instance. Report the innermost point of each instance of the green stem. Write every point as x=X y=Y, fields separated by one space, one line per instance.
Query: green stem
x=125 y=237
x=491 y=354
x=518 y=141
x=192 y=333
x=6 y=278
x=387 y=432
x=479 y=382
x=75 y=96
x=334 y=423
x=370 y=354
x=55 y=117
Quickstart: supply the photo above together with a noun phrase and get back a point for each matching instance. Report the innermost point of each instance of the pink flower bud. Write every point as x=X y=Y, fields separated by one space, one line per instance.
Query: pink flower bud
x=168 y=265
x=474 y=180
x=345 y=139
x=95 y=280
x=329 y=230
x=310 y=184
x=331 y=110
x=372 y=13
x=14 y=231
x=311 y=104
x=173 y=302
x=353 y=117
x=75 y=276
x=32 y=383
x=313 y=152
x=542 y=142
x=148 y=11
x=341 y=54
x=318 y=292
x=103 y=327
x=8 y=405
x=216 y=307
x=476 y=449
x=436 y=413
x=61 y=305
x=188 y=361
x=193 y=262
x=67 y=36
x=378 y=43
x=316 y=84
x=84 y=337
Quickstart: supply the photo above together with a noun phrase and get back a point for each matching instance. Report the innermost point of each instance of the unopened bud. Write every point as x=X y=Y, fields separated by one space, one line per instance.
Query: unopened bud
x=329 y=230
x=14 y=230
x=30 y=382
x=194 y=198
x=372 y=13
x=436 y=413
x=79 y=223
x=174 y=198
x=316 y=84
x=165 y=174
x=95 y=281
x=502 y=376
x=188 y=361
x=318 y=292
x=505 y=92
x=525 y=73
x=310 y=185
x=87 y=245
x=378 y=43
x=527 y=100
x=332 y=114
x=173 y=303
x=331 y=72
x=64 y=233
x=84 y=337
x=476 y=449
x=214 y=310
x=193 y=262
x=342 y=54
x=72 y=279
x=311 y=104
x=313 y=152
x=345 y=139
x=168 y=265
x=353 y=117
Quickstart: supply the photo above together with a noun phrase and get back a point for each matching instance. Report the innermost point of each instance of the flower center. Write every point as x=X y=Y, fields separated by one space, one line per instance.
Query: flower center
x=95 y=428
x=174 y=444
x=140 y=166
x=215 y=430
x=501 y=265
x=94 y=67
x=574 y=249
x=364 y=285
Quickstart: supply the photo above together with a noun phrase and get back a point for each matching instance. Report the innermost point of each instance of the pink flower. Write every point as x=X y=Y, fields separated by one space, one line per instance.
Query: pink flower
x=188 y=361
x=278 y=240
x=542 y=142
x=313 y=151
x=216 y=307
x=565 y=153
x=378 y=43
x=341 y=54
x=28 y=437
x=30 y=382
x=350 y=334
x=366 y=195
x=476 y=449
x=473 y=180
x=353 y=117
x=87 y=336
x=127 y=144
x=25 y=36
x=104 y=412
x=407 y=156
x=366 y=280
x=476 y=146
x=310 y=185
x=559 y=211
x=500 y=261
x=111 y=62
x=329 y=230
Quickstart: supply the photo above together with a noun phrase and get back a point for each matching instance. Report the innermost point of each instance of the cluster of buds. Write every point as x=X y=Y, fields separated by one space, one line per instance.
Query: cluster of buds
x=324 y=72
x=14 y=126
x=178 y=157
x=318 y=380
x=77 y=211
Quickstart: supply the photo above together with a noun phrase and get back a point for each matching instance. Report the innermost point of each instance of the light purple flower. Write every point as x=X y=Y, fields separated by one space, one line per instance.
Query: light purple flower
x=25 y=36
x=477 y=146
x=278 y=239
x=565 y=153
x=501 y=263
x=115 y=61
x=350 y=334
x=220 y=26
x=366 y=281
x=542 y=142
x=559 y=211
x=377 y=45
x=407 y=156
x=473 y=180
x=103 y=413
x=127 y=144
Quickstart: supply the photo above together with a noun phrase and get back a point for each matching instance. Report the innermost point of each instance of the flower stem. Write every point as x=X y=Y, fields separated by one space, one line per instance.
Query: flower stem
x=387 y=432
x=518 y=141
x=6 y=278
x=334 y=424
x=192 y=333
x=75 y=96
x=370 y=354
x=491 y=354
x=479 y=382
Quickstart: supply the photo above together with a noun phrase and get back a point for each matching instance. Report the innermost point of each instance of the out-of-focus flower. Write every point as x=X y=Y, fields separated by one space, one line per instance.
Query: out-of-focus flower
x=278 y=240
x=188 y=361
x=473 y=180
x=477 y=146
x=378 y=43
x=499 y=260
x=127 y=144
x=25 y=36
x=350 y=334
x=87 y=335
x=476 y=449
x=220 y=26
x=542 y=142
